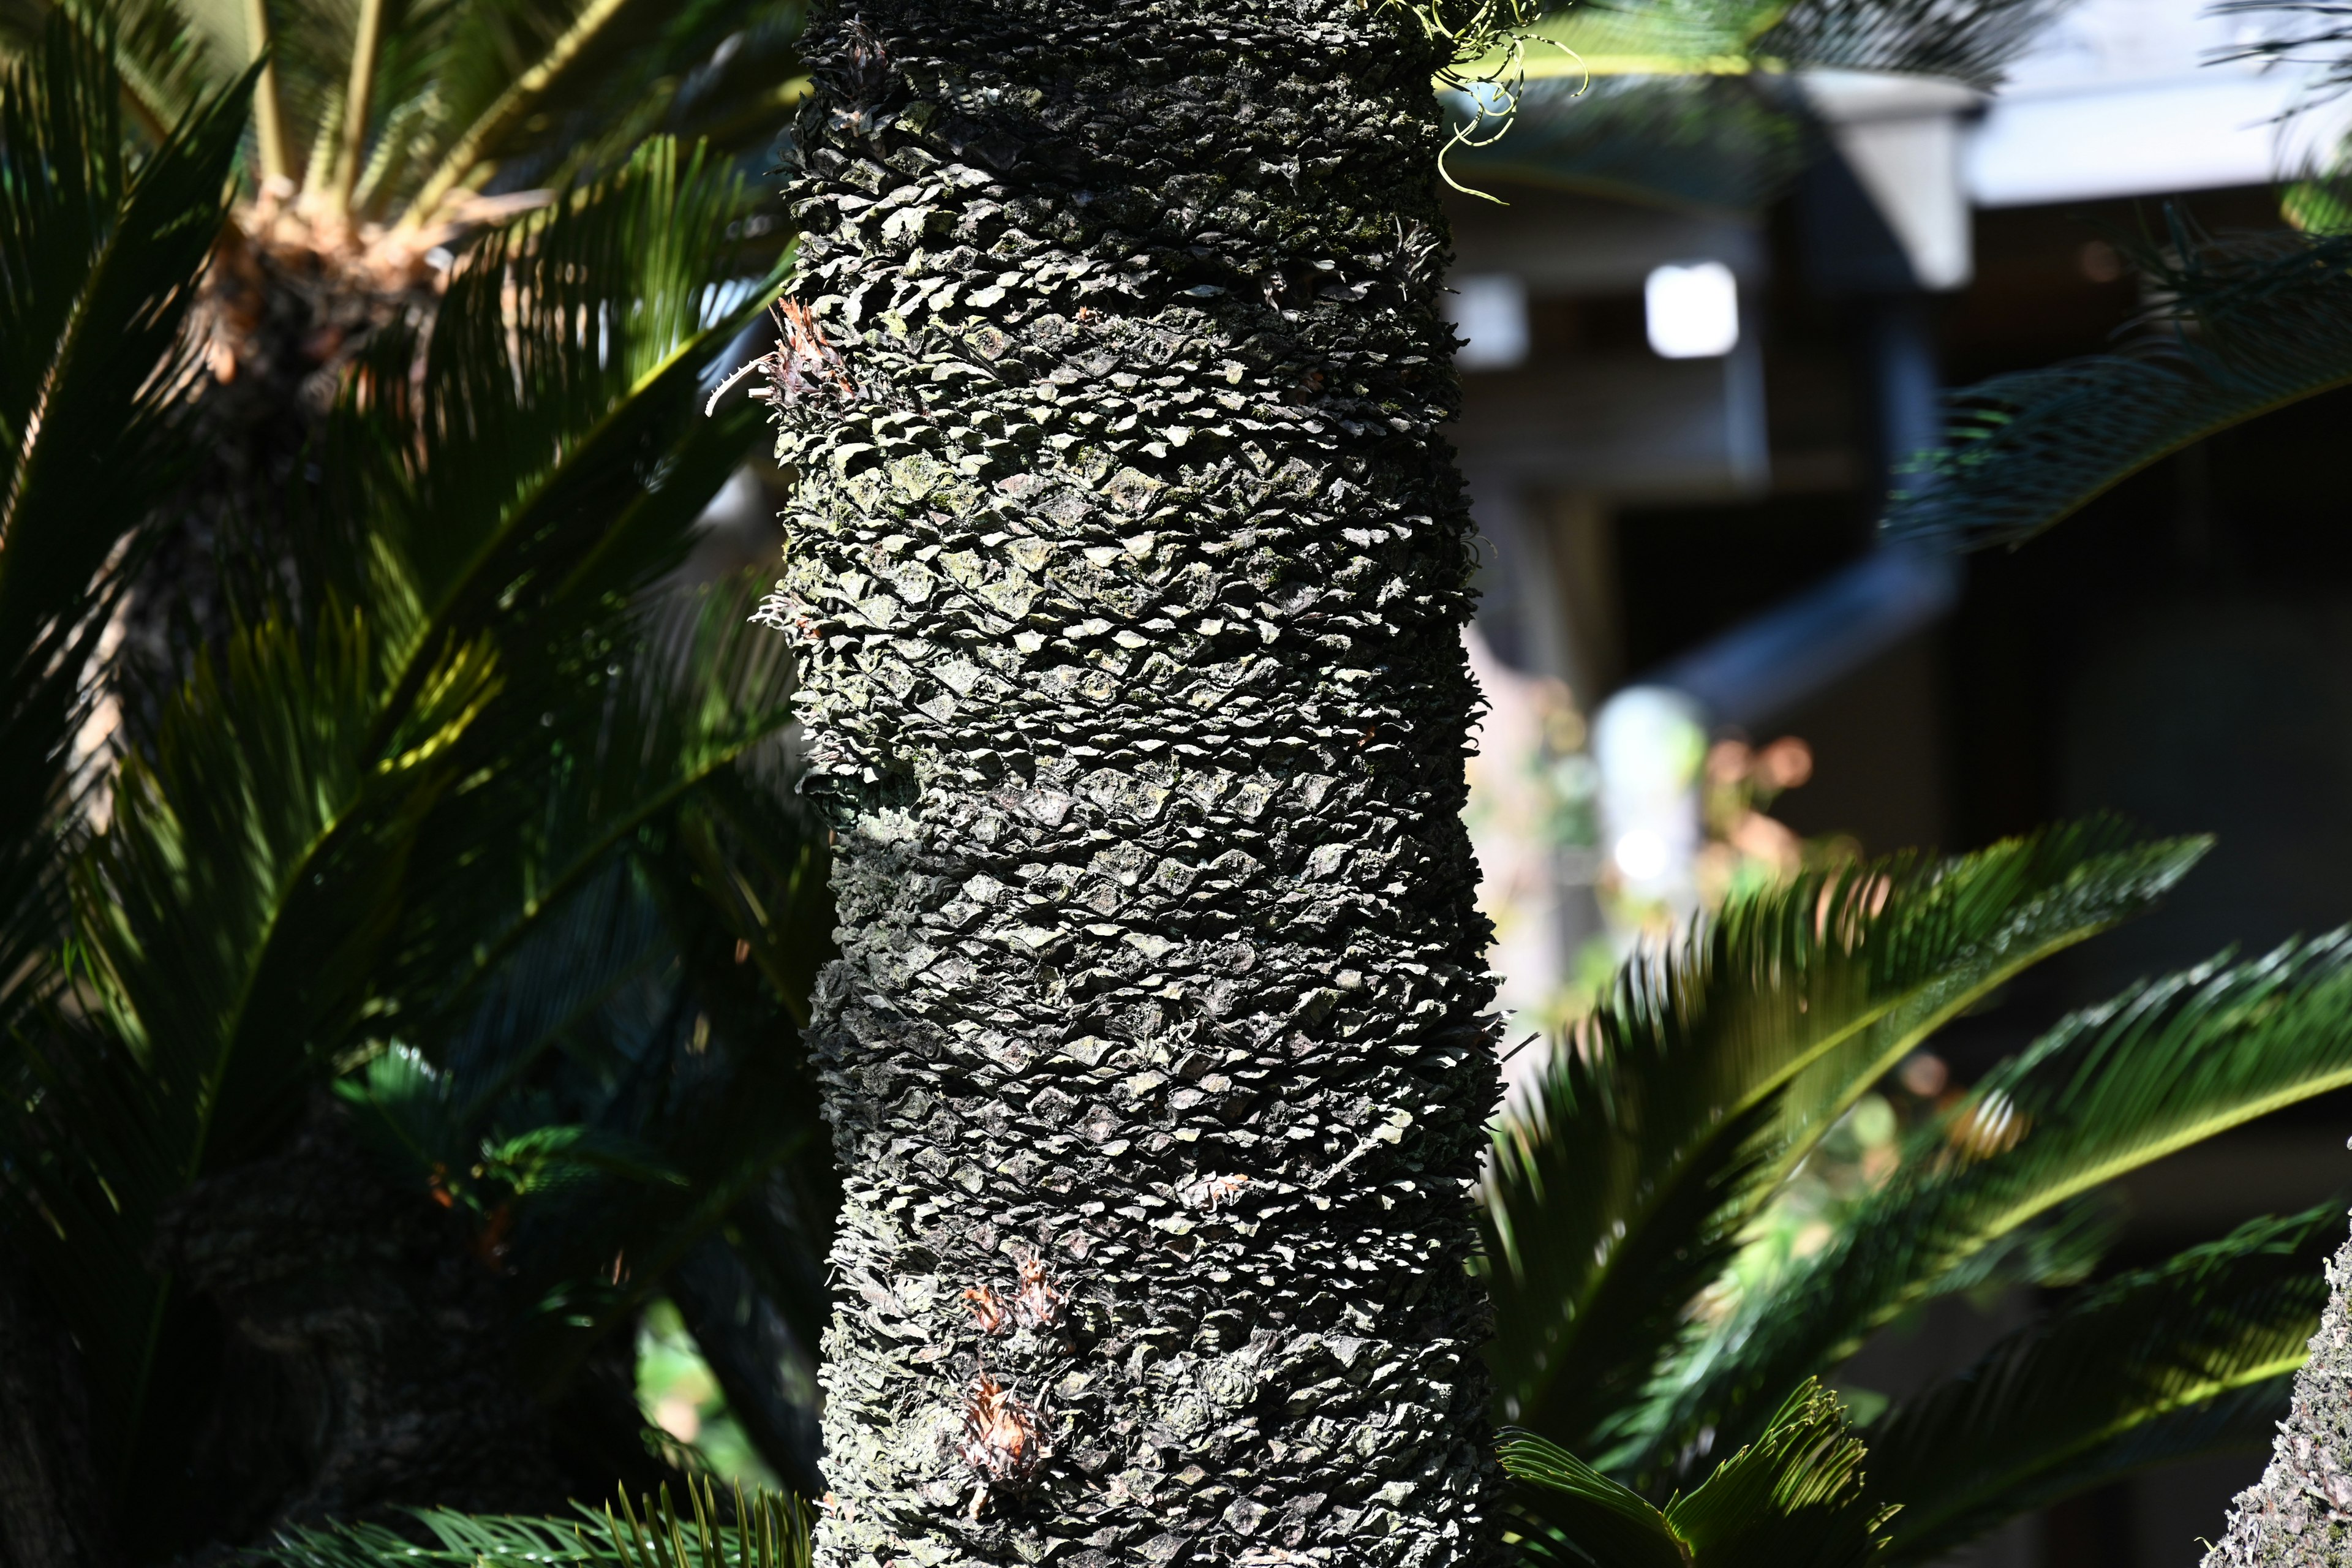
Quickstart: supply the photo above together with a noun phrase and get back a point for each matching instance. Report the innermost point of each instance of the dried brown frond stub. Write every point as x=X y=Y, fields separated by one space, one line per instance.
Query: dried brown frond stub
x=801 y=364
x=1036 y=1305
x=1004 y=1440
x=987 y=1308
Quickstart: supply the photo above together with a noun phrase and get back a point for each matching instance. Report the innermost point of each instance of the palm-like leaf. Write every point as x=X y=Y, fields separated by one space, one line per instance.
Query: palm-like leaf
x=353 y=816
x=1968 y=40
x=771 y=1531
x=99 y=261
x=608 y=72
x=690 y=711
x=2168 y=1064
x=2250 y=323
x=705 y=1073
x=1657 y=1138
x=402 y=111
x=1795 y=1496
x=1699 y=102
x=167 y=59
x=629 y=1053
x=2193 y=1357
x=632 y=1009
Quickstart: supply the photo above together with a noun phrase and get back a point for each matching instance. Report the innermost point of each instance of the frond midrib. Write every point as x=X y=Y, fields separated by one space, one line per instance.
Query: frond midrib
x=2123 y=1161
x=508 y=109
x=2082 y=496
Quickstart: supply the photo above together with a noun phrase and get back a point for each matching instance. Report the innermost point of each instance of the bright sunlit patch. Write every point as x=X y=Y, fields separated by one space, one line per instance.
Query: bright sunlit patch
x=1640 y=854
x=1490 y=310
x=1694 y=310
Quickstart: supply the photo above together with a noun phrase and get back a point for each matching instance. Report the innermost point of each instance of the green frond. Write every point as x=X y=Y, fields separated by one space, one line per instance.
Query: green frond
x=1795 y=1496
x=715 y=1530
x=559 y=965
x=689 y=709
x=507 y=59
x=354 y=815
x=2191 y=1357
x=406 y=1108
x=584 y=485
x=548 y=1157
x=97 y=266
x=455 y=1539
x=730 y=1125
x=1966 y=40
x=587 y=922
x=547 y=1116
x=453 y=96
x=1657 y=1135
x=2168 y=1064
x=237 y=907
x=1579 y=1514
x=610 y=72
x=99 y=261
x=2058 y=1248
x=227 y=920
x=2250 y=323
x=168 y=59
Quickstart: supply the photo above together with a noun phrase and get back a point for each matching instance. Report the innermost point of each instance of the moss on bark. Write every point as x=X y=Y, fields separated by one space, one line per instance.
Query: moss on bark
x=1129 y=570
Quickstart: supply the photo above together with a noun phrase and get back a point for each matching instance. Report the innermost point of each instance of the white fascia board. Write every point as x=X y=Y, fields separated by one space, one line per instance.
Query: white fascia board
x=2094 y=141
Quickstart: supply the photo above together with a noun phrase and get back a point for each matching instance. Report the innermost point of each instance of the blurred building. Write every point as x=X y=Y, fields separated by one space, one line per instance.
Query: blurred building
x=1685 y=390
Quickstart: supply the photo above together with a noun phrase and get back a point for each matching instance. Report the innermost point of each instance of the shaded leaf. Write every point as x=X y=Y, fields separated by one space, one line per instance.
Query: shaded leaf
x=1967 y=41
x=2194 y=1356
x=2249 y=323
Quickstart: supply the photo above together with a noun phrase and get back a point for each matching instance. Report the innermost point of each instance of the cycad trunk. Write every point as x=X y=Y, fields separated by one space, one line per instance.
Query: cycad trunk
x=2299 y=1515
x=1130 y=568
x=282 y=316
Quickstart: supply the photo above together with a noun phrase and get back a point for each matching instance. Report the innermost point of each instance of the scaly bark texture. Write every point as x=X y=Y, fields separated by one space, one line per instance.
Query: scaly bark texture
x=2299 y=1515
x=1130 y=570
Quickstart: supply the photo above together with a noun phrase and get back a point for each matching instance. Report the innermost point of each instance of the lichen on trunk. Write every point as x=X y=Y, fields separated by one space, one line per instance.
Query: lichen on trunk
x=1129 y=570
x=2299 y=1515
